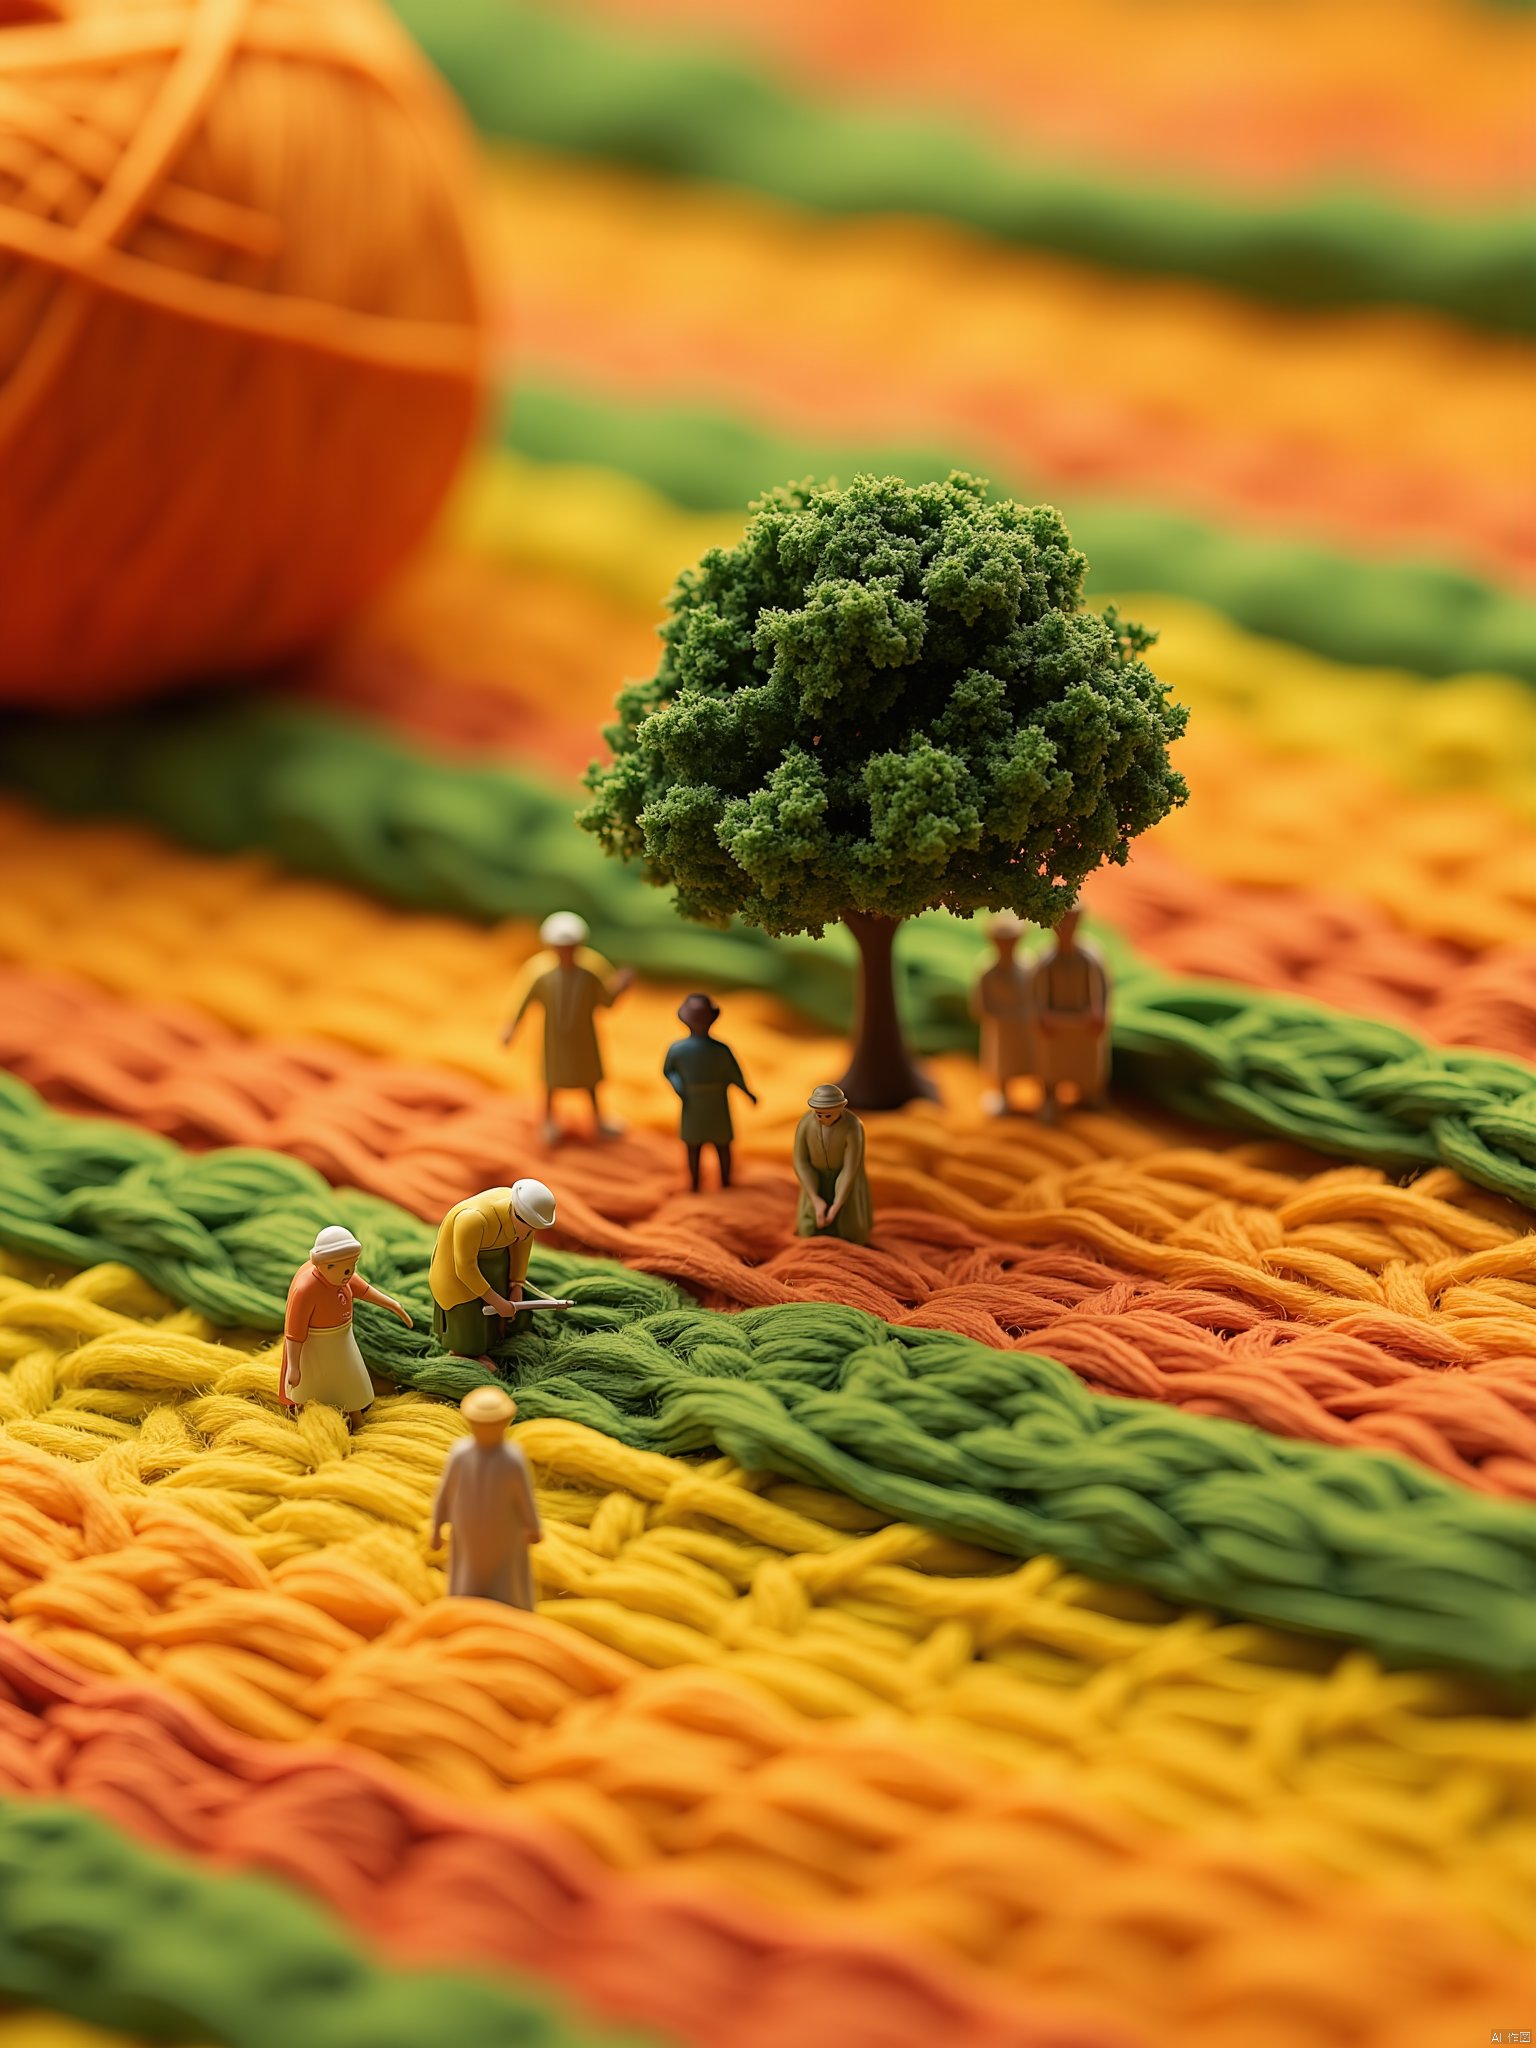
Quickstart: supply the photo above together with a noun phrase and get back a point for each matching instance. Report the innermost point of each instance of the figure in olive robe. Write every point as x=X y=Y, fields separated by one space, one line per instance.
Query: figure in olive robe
x=829 y=1165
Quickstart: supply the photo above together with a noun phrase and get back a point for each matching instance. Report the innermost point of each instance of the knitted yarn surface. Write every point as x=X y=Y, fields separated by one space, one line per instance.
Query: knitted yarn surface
x=1008 y=1451
x=885 y=1727
x=658 y=103
x=1325 y=1306
x=429 y=833
x=240 y=349
x=445 y=1883
x=1097 y=1612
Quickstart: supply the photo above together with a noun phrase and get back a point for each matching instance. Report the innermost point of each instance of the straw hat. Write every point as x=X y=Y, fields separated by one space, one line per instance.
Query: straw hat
x=563 y=928
x=827 y=1095
x=334 y=1242
x=487 y=1404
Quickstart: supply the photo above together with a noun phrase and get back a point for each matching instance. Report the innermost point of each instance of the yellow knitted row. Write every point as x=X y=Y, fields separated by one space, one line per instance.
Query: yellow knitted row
x=1466 y=732
x=53 y=2030
x=303 y=1607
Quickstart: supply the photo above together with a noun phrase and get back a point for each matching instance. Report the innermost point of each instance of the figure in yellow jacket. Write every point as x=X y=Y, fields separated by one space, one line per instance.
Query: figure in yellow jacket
x=480 y=1261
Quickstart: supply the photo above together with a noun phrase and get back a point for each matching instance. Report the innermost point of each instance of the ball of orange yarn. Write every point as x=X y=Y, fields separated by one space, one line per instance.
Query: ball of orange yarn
x=241 y=342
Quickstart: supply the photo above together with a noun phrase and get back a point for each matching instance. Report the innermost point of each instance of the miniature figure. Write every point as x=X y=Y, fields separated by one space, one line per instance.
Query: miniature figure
x=1000 y=1004
x=486 y=1498
x=885 y=698
x=703 y=1071
x=829 y=1165
x=571 y=984
x=321 y=1361
x=1069 y=1012
x=479 y=1264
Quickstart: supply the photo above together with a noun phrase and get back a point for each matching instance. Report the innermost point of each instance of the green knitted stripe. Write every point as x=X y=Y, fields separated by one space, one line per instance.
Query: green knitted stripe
x=1427 y=618
x=224 y=1233
x=121 y=1936
x=329 y=797
x=994 y=1447
x=590 y=87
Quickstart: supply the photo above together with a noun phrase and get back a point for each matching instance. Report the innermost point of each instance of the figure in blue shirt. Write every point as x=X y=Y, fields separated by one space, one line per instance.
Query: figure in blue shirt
x=703 y=1072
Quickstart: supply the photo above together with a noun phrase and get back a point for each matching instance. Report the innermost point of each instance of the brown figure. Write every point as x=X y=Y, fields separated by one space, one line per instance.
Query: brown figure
x=571 y=984
x=829 y=1165
x=486 y=1498
x=321 y=1361
x=1000 y=1004
x=702 y=1072
x=1069 y=1006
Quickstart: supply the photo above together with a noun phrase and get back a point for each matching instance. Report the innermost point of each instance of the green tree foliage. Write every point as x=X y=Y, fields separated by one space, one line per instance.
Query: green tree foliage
x=884 y=699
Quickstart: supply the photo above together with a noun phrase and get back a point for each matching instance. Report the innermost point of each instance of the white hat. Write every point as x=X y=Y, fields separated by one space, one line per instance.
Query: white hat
x=533 y=1203
x=563 y=928
x=333 y=1241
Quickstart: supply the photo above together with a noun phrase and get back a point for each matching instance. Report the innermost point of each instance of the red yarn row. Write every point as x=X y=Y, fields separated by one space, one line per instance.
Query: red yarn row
x=426 y=1881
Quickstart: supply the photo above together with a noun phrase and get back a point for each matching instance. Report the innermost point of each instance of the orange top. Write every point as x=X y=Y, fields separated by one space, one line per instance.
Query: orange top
x=313 y=1303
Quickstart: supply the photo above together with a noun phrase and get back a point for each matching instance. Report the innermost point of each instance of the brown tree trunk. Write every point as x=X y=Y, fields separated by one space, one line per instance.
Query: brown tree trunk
x=882 y=1073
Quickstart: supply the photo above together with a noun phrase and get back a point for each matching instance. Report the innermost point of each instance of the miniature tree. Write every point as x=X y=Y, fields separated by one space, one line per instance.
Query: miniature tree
x=885 y=699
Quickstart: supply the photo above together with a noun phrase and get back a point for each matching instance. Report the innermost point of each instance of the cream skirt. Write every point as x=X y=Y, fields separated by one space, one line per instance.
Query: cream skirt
x=331 y=1370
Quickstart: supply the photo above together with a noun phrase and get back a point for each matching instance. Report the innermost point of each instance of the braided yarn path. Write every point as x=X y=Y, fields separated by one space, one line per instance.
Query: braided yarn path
x=1325 y=1307
x=1011 y=1453
x=715 y=1776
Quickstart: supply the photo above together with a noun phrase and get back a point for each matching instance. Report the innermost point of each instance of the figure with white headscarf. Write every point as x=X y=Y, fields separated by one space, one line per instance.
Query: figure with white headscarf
x=829 y=1165
x=321 y=1361
x=570 y=983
